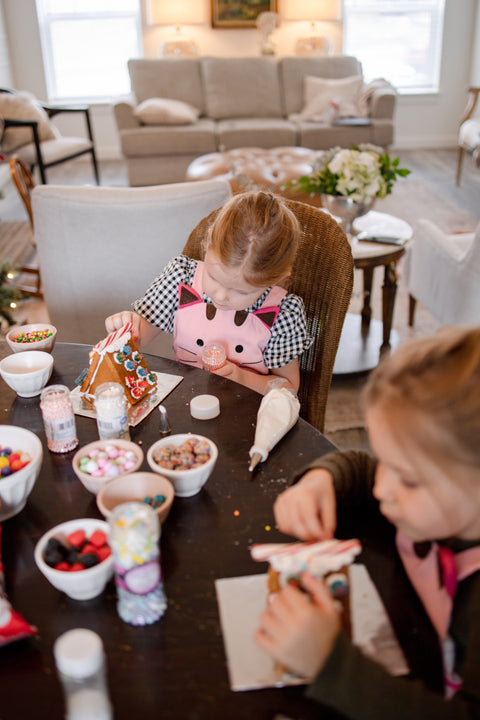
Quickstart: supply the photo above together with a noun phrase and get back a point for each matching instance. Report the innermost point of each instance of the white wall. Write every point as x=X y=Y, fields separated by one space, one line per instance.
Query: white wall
x=421 y=121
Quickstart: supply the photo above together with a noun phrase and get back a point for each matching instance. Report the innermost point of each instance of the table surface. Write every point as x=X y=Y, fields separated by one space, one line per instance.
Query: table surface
x=175 y=668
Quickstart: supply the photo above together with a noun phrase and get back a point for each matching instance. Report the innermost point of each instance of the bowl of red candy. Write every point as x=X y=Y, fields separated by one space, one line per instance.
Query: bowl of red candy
x=75 y=557
x=34 y=336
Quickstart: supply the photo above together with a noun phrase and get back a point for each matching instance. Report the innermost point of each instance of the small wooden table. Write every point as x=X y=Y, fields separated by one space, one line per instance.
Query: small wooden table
x=364 y=339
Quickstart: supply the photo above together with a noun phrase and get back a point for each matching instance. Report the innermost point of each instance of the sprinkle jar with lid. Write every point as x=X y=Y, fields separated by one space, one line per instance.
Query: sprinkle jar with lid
x=58 y=418
x=134 y=539
x=111 y=410
x=80 y=661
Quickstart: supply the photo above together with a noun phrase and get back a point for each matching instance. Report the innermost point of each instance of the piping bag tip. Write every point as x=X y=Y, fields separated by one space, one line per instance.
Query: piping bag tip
x=255 y=459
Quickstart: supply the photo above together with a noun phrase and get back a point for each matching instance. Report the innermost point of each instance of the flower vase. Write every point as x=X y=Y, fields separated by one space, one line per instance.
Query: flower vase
x=344 y=208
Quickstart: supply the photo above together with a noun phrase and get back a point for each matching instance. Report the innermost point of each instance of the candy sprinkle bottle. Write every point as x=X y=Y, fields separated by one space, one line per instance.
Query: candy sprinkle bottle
x=134 y=539
x=58 y=418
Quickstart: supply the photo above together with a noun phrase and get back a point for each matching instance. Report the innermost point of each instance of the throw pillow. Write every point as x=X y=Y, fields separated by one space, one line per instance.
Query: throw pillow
x=23 y=106
x=163 y=111
x=320 y=93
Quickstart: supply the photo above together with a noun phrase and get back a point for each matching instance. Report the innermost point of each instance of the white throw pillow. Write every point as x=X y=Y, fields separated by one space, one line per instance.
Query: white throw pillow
x=319 y=93
x=23 y=106
x=163 y=111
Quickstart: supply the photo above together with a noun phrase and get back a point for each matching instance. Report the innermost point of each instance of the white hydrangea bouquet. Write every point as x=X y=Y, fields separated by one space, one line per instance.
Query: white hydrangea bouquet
x=362 y=173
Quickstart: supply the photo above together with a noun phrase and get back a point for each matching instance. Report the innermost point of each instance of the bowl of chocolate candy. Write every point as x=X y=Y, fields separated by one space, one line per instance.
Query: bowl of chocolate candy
x=34 y=336
x=187 y=460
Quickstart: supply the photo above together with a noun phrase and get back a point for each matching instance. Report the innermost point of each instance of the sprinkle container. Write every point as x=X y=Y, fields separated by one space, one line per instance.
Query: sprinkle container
x=134 y=539
x=213 y=356
x=58 y=418
x=111 y=410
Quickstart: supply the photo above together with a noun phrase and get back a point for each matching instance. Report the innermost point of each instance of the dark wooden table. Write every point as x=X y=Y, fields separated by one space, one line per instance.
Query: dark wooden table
x=175 y=669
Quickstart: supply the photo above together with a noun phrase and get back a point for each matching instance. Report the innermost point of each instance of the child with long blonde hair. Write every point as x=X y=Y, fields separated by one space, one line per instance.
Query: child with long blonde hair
x=233 y=297
x=423 y=419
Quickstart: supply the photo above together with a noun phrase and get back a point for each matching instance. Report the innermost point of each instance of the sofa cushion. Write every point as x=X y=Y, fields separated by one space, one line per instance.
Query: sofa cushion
x=321 y=92
x=167 y=140
x=241 y=87
x=293 y=70
x=23 y=106
x=251 y=132
x=175 y=78
x=164 y=111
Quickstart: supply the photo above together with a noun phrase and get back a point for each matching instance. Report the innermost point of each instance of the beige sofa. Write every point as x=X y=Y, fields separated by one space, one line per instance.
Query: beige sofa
x=227 y=103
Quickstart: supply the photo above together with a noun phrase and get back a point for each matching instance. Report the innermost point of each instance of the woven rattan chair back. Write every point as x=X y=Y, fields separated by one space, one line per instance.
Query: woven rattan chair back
x=24 y=183
x=323 y=277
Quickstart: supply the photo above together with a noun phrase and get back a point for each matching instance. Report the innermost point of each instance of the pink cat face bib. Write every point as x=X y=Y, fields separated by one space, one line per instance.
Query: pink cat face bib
x=244 y=335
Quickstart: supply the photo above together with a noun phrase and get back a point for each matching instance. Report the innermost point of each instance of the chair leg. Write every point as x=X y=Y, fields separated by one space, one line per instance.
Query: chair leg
x=459 y=164
x=95 y=166
x=411 y=310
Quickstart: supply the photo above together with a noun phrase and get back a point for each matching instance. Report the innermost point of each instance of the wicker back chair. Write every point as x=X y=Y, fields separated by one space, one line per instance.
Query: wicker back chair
x=24 y=183
x=323 y=276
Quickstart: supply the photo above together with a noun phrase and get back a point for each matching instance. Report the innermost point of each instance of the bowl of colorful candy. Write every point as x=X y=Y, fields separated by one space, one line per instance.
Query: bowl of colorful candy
x=75 y=557
x=20 y=460
x=147 y=487
x=186 y=460
x=27 y=373
x=34 y=336
x=100 y=461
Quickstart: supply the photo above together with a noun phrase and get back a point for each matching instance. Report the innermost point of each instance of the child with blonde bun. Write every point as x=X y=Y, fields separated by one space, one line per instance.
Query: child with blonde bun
x=423 y=419
x=233 y=297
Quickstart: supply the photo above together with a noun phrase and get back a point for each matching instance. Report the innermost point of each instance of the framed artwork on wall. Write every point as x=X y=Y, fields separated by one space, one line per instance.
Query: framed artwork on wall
x=239 y=13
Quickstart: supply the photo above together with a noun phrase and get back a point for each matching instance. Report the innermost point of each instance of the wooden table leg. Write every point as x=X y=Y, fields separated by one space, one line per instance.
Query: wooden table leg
x=389 y=290
x=367 y=296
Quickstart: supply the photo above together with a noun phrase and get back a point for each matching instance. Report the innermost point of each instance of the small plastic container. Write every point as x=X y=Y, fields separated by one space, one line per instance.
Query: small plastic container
x=58 y=418
x=80 y=661
x=213 y=356
x=134 y=539
x=111 y=410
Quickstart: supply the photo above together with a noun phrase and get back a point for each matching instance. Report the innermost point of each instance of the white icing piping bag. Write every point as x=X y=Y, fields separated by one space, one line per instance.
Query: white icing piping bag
x=278 y=412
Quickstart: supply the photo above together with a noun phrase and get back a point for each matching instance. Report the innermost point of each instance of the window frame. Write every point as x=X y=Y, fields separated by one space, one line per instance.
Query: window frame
x=47 y=19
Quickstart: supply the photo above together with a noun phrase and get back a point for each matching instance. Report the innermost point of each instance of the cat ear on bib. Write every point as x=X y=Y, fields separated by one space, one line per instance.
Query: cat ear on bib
x=187 y=296
x=267 y=315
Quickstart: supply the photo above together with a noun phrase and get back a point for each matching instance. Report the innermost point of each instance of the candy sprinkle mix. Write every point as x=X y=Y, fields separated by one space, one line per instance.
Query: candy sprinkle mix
x=32 y=337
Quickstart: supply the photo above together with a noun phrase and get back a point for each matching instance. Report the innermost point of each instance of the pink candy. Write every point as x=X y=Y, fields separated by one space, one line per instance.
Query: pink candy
x=108 y=462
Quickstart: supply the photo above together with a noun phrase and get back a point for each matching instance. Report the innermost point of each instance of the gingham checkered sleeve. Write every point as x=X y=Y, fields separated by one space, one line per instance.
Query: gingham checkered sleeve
x=160 y=302
x=289 y=334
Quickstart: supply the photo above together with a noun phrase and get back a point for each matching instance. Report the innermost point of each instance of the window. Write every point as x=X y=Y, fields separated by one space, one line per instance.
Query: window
x=86 y=45
x=399 y=40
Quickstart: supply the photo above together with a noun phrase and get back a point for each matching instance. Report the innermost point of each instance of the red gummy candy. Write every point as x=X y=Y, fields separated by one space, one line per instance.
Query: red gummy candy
x=63 y=565
x=76 y=567
x=98 y=538
x=76 y=538
x=103 y=552
x=88 y=548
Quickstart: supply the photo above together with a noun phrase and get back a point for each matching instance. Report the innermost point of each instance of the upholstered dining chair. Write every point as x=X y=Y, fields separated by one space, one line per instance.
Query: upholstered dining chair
x=469 y=133
x=28 y=133
x=323 y=276
x=100 y=247
x=24 y=183
x=442 y=271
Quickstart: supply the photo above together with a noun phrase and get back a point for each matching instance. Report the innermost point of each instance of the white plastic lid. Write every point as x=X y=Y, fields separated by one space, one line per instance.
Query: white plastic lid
x=78 y=653
x=204 y=407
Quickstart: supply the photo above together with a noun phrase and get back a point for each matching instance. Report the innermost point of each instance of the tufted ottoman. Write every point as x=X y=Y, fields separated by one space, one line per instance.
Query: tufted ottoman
x=257 y=168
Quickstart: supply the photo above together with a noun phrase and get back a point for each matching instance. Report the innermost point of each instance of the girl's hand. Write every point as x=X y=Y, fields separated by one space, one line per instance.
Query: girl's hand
x=308 y=509
x=228 y=370
x=117 y=321
x=298 y=629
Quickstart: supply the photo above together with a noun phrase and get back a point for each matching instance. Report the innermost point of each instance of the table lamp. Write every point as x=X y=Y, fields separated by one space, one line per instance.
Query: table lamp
x=312 y=11
x=176 y=13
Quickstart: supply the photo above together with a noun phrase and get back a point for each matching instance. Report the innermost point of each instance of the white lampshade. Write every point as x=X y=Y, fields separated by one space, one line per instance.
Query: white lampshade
x=312 y=10
x=175 y=12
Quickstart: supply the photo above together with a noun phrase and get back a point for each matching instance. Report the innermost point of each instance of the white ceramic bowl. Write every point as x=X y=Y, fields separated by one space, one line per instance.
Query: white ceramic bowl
x=136 y=486
x=15 y=488
x=82 y=585
x=46 y=345
x=185 y=482
x=28 y=372
x=93 y=483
